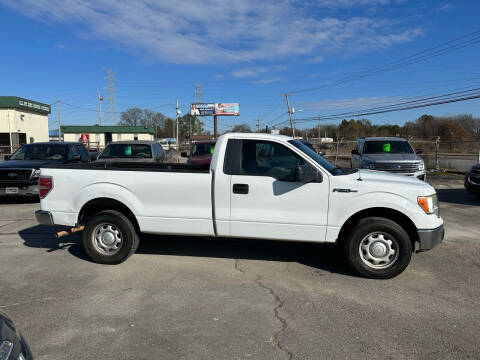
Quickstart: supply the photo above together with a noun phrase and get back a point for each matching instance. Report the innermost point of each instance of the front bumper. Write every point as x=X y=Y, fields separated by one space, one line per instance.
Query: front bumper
x=44 y=217
x=22 y=190
x=430 y=238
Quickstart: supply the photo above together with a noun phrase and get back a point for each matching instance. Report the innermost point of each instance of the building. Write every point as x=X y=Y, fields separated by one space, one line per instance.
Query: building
x=97 y=136
x=22 y=121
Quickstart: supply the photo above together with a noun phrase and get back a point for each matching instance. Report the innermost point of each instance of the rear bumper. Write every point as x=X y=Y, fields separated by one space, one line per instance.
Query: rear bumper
x=44 y=217
x=22 y=190
x=430 y=238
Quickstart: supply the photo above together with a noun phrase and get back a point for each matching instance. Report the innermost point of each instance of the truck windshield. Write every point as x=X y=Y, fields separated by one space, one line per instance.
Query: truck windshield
x=203 y=149
x=385 y=147
x=332 y=169
x=39 y=152
x=126 y=151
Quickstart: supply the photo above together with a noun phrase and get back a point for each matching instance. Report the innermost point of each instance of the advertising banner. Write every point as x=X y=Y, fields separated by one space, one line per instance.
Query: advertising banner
x=202 y=109
x=227 y=109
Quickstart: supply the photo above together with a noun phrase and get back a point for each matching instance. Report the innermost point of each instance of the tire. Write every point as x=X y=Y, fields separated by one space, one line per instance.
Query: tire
x=378 y=248
x=110 y=238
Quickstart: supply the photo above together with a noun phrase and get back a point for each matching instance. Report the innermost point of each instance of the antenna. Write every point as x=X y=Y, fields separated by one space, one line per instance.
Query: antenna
x=111 y=99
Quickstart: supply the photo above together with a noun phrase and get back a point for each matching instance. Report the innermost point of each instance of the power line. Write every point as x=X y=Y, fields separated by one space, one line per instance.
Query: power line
x=405 y=61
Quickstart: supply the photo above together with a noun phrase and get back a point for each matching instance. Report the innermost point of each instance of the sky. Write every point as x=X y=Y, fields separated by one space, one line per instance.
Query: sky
x=249 y=52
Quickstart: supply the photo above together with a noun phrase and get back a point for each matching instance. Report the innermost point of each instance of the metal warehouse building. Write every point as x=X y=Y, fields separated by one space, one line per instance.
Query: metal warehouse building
x=22 y=121
x=97 y=136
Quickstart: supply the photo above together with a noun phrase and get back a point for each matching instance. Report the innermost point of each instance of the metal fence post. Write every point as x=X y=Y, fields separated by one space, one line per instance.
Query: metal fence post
x=336 y=151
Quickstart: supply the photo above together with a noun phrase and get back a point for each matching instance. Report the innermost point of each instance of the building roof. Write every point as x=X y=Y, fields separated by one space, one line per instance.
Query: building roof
x=116 y=129
x=15 y=102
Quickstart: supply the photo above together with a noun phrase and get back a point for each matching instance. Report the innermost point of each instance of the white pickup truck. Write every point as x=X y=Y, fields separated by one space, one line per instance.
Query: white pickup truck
x=258 y=186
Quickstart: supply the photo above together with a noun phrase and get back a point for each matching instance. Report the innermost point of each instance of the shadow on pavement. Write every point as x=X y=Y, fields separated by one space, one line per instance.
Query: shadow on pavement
x=457 y=196
x=19 y=199
x=320 y=256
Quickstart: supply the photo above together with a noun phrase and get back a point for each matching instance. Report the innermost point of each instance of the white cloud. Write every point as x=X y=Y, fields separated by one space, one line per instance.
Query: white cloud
x=446 y=7
x=316 y=59
x=218 y=31
x=256 y=70
x=267 y=81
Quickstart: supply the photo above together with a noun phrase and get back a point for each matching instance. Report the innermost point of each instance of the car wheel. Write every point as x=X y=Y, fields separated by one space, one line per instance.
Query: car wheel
x=378 y=248
x=110 y=237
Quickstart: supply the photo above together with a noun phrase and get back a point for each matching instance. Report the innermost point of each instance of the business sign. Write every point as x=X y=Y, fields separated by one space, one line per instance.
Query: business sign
x=227 y=109
x=84 y=138
x=202 y=109
x=210 y=109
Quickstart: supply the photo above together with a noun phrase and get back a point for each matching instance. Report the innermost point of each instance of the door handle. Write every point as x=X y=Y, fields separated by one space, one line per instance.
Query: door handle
x=240 y=188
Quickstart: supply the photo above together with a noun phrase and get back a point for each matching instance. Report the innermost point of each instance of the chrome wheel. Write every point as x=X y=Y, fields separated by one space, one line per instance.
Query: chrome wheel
x=107 y=239
x=379 y=250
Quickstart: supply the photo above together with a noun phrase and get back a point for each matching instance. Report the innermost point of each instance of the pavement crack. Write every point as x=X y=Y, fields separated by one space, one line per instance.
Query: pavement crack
x=283 y=321
x=238 y=268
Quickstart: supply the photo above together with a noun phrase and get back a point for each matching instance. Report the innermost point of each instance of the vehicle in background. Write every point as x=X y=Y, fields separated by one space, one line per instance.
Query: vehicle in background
x=19 y=172
x=12 y=344
x=472 y=180
x=132 y=151
x=258 y=186
x=200 y=153
x=168 y=144
x=391 y=154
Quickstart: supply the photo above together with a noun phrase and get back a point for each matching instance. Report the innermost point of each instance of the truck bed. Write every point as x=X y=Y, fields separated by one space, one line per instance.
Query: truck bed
x=134 y=166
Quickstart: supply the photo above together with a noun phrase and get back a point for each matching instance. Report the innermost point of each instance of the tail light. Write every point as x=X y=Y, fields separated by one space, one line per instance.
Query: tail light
x=45 y=184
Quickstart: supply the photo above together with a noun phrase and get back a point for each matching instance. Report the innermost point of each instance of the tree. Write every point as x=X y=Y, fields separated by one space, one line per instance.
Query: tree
x=241 y=128
x=131 y=117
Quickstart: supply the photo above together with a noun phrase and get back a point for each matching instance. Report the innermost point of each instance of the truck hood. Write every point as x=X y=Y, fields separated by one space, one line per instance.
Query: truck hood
x=379 y=181
x=388 y=157
x=27 y=164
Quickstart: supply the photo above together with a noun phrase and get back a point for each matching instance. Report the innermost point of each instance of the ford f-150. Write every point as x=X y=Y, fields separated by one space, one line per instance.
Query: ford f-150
x=258 y=186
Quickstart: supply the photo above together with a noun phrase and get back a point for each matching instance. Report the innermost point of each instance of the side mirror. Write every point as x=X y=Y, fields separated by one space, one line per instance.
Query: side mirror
x=6 y=157
x=307 y=174
x=419 y=151
x=183 y=154
x=354 y=152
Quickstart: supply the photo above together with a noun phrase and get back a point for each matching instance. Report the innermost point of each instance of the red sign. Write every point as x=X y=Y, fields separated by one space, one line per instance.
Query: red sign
x=84 y=138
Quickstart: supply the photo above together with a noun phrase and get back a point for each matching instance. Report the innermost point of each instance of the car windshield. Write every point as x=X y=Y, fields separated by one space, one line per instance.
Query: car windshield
x=385 y=147
x=327 y=165
x=127 y=151
x=39 y=152
x=203 y=149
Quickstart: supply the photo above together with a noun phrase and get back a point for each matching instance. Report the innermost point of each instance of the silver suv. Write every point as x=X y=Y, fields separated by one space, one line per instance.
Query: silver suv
x=392 y=154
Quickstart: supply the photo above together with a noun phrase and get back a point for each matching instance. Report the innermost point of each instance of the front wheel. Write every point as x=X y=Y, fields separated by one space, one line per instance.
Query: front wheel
x=378 y=248
x=110 y=237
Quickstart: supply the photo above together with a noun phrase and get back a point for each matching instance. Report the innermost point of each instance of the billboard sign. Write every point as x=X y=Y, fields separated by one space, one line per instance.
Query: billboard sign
x=210 y=109
x=227 y=109
x=202 y=109
x=84 y=138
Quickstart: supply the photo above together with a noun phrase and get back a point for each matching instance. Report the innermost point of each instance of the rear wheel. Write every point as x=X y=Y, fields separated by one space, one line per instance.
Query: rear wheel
x=110 y=237
x=378 y=248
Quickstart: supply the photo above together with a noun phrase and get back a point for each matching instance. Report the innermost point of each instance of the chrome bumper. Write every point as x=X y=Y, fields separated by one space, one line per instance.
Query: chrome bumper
x=30 y=190
x=430 y=238
x=44 y=217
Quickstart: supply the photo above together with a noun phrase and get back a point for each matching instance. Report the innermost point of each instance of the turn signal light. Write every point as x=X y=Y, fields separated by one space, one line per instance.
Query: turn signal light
x=45 y=184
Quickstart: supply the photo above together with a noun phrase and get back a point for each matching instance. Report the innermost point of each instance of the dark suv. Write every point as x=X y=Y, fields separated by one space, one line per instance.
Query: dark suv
x=19 y=172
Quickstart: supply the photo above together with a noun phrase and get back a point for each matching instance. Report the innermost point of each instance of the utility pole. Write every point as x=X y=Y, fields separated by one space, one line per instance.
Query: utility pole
x=319 y=131
x=289 y=109
x=258 y=125
x=58 y=115
x=215 y=127
x=100 y=99
x=177 y=112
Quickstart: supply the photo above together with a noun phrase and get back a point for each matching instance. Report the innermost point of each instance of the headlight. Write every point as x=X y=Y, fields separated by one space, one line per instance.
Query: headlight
x=5 y=349
x=429 y=204
x=421 y=166
x=36 y=173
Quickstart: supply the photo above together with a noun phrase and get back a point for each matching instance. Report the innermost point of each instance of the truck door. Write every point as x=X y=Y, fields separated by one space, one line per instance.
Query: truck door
x=266 y=202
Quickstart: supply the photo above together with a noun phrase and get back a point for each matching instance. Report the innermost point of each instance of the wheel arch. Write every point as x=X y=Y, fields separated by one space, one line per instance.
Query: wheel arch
x=97 y=205
x=397 y=216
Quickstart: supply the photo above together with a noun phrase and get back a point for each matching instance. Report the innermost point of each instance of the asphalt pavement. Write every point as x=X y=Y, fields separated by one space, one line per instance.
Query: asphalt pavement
x=197 y=298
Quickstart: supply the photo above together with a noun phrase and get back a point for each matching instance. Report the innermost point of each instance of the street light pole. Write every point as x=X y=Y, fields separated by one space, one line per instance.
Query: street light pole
x=289 y=109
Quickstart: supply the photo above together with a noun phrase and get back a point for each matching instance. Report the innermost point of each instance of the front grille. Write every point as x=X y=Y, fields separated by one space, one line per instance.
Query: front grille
x=476 y=171
x=395 y=167
x=14 y=175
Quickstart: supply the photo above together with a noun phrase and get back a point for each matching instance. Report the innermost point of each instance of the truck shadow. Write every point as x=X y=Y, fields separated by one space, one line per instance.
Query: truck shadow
x=19 y=200
x=324 y=257
x=457 y=196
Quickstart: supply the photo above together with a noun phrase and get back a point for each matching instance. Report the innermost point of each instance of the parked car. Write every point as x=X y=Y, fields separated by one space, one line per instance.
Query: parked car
x=12 y=344
x=201 y=152
x=472 y=180
x=258 y=186
x=391 y=154
x=19 y=172
x=137 y=151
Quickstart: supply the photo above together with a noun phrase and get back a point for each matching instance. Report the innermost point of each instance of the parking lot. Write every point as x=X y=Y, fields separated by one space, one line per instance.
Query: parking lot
x=195 y=298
